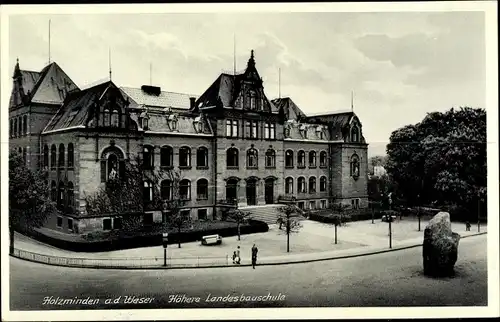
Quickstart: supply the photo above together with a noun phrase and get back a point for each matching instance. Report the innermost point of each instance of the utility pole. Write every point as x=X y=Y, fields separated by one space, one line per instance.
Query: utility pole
x=478 y=214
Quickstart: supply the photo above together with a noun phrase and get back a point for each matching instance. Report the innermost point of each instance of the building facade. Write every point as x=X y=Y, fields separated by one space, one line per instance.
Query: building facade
x=232 y=144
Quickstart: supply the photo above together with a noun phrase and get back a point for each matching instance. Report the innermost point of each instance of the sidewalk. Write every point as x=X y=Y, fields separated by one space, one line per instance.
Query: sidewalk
x=26 y=247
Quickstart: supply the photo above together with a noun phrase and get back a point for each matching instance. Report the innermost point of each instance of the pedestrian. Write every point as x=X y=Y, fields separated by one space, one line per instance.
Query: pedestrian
x=238 y=258
x=467 y=226
x=254 y=255
x=234 y=257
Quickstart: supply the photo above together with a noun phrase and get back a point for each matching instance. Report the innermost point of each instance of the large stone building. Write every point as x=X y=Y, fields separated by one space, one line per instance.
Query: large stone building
x=232 y=143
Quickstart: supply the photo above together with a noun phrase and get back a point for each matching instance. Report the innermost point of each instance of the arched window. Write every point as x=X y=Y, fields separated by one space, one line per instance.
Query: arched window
x=61 y=155
x=355 y=166
x=301 y=159
x=354 y=134
x=312 y=158
x=115 y=118
x=148 y=157
x=70 y=197
x=202 y=157
x=45 y=156
x=166 y=156
x=289 y=185
x=252 y=158
x=301 y=185
x=106 y=118
x=312 y=184
x=270 y=158
x=112 y=164
x=184 y=156
x=166 y=189
x=53 y=156
x=25 y=125
x=289 y=159
x=185 y=189
x=232 y=158
x=322 y=159
x=53 y=191
x=71 y=156
x=60 y=195
x=232 y=189
x=202 y=189
x=20 y=126
x=322 y=184
x=147 y=192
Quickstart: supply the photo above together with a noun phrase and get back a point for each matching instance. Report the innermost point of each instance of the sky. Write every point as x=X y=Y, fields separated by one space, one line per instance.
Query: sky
x=398 y=65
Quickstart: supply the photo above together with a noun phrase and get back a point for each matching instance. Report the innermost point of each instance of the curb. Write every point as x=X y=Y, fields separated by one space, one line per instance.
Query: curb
x=289 y=262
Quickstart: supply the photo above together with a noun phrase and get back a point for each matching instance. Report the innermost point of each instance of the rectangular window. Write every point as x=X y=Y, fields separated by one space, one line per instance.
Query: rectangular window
x=106 y=224
x=266 y=131
x=185 y=213
x=228 y=127
x=202 y=214
x=312 y=205
x=70 y=224
x=301 y=205
x=272 y=131
x=147 y=219
x=234 y=132
x=59 y=221
x=117 y=223
x=323 y=204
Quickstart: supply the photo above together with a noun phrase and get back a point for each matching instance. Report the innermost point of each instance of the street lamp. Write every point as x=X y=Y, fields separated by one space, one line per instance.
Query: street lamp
x=165 y=243
x=390 y=220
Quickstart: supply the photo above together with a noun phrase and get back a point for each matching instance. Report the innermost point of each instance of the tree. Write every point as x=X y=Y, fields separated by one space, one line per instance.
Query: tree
x=289 y=215
x=29 y=202
x=337 y=221
x=441 y=160
x=239 y=217
x=172 y=206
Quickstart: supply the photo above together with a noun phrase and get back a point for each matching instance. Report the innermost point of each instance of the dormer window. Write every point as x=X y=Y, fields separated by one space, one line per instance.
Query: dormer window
x=172 y=122
x=303 y=130
x=354 y=134
x=198 y=124
x=144 y=121
x=319 y=132
x=287 y=131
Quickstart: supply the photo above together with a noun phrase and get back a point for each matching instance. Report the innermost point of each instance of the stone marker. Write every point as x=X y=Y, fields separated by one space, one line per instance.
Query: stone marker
x=440 y=248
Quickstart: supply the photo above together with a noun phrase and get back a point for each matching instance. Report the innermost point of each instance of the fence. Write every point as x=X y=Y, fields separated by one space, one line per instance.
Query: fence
x=117 y=262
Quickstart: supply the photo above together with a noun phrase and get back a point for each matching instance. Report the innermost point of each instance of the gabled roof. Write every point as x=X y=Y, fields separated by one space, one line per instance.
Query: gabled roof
x=165 y=99
x=49 y=86
x=76 y=107
x=225 y=90
x=292 y=111
x=185 y=124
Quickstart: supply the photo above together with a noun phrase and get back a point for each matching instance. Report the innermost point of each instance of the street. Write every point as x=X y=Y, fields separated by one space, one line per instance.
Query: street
x=389 y=279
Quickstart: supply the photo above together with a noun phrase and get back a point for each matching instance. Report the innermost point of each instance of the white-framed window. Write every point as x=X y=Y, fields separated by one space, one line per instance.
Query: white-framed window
x=312 y=204
x=270 y=130
x=355 y=203
x=232 y=128
x=323 y=204
x=59 y=221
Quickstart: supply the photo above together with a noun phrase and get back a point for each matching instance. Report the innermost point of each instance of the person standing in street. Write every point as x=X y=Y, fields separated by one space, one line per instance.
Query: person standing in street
x=254 y=255
x=238 y=258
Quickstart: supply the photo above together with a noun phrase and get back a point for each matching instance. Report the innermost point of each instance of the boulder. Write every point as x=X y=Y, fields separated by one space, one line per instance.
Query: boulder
x=440 y=248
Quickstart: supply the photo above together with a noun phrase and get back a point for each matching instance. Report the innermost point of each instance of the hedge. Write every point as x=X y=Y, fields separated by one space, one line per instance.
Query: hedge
x=155 y=239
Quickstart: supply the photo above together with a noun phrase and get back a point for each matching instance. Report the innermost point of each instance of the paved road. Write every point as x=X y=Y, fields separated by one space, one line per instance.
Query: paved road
x=389 y=279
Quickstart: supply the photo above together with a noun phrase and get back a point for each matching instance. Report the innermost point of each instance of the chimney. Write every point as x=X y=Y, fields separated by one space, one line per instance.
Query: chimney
x=151 y=90
x=192 y=100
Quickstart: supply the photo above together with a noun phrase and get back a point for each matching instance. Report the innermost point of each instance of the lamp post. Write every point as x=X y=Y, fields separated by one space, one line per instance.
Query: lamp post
x=390 y=220
x=478 y=213
x=165 y=243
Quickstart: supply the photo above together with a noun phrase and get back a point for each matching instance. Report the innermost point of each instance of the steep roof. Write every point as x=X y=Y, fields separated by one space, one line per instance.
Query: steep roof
x=292 y=111
x=223 y=88
x=76 y=107
x=164 y=99
x=49 y=86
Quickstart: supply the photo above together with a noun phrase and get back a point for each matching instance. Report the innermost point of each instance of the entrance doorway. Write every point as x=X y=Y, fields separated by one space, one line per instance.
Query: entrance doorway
x=232 y=190
x=251 y=192
x=269 y=191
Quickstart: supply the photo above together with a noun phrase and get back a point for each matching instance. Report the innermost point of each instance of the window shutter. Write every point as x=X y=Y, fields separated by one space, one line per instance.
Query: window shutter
x=103 y=171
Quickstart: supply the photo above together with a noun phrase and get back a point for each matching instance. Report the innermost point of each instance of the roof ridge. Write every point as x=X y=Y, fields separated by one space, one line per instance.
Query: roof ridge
x=188 y=94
